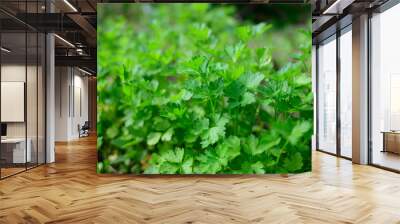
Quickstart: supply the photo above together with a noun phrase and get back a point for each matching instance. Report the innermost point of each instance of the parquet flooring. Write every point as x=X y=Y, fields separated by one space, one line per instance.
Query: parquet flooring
x=70 y=191
x=10 y=171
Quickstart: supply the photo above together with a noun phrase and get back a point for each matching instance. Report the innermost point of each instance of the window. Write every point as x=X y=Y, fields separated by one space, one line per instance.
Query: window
x=327 y=96
x=346 y=92
x=385 y=89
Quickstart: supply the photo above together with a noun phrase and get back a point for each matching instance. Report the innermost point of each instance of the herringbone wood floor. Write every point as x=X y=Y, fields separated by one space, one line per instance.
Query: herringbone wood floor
x=70 y=191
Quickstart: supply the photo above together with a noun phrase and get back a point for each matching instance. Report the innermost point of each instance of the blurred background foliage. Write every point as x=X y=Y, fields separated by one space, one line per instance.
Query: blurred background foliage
x=285 y=18
x=204 y=88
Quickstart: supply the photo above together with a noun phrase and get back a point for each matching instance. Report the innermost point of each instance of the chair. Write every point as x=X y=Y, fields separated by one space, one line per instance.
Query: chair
x=84 y=130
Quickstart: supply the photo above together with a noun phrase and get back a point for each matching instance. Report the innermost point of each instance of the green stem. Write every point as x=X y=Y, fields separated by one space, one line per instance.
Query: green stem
x=236 y=123
x=283 y=147
x=212 y=107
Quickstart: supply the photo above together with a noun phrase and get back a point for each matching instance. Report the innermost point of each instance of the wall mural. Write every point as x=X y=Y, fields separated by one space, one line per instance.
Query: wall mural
x=204 y=89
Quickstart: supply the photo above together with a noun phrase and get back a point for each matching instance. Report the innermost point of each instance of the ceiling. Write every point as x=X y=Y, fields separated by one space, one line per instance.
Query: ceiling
x=74 y=22
x=329 y=15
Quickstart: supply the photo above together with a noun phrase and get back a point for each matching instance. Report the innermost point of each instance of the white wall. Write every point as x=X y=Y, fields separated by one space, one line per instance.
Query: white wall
x=33 y=127
x=62 y=81
x=12 y=73
x=71 y=94
x=80 y=100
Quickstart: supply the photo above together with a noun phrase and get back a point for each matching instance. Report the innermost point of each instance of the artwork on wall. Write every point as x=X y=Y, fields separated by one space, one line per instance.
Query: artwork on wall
x=12 y=101
x=204 y=89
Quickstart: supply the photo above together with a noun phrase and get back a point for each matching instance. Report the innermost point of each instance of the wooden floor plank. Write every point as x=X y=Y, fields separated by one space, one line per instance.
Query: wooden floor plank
x=70 y=191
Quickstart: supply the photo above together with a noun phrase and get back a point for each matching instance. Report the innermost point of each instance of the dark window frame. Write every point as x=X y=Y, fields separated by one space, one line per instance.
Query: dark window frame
x=343 y=26
x=381 y=9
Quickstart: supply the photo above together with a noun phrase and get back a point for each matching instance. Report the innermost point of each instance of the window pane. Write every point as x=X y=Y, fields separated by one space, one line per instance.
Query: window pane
x=31 y=96
x=345 y=94
x=385 y=84
x=41 y=99
x=327 y=96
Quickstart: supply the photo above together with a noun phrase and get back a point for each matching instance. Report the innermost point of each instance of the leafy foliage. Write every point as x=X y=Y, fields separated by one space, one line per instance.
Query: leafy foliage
x=187 y=88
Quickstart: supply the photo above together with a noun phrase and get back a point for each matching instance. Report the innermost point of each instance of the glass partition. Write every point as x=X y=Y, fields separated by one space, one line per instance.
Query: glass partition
x=14 y=151
x=327 y=95
x=34 y=43
x=32 y=95
x=22 y=77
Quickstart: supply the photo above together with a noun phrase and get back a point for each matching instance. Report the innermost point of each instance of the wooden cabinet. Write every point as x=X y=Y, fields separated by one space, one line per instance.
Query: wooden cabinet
x=391 y=142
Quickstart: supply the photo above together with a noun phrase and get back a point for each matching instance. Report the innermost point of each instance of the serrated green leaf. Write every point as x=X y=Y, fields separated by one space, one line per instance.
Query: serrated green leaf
x=173 y=156
x=200 y=32
x=298 y=131
x=250 y=145
x=264 y=146
x=186 y=95
x=229 y=149
x=255 y=147
x=209 y=163
x=153 y=85
x=251 y=80
x=169 y=168
x=258 y=168
x=252 y=168
x=248 y=98
x=275 y=151
x=212 y=136
x=234 y=52
x=244 y=33
x=152 y=169
x=215 y=88
x=167 y=135
x=222 y=121
x=293 y=162
x=261 y=28
x=235 y=90
x=153 y=138
x=187 y=166
x=302 y=80
x=215 y=133
x=264 y=57
x=161 y=124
